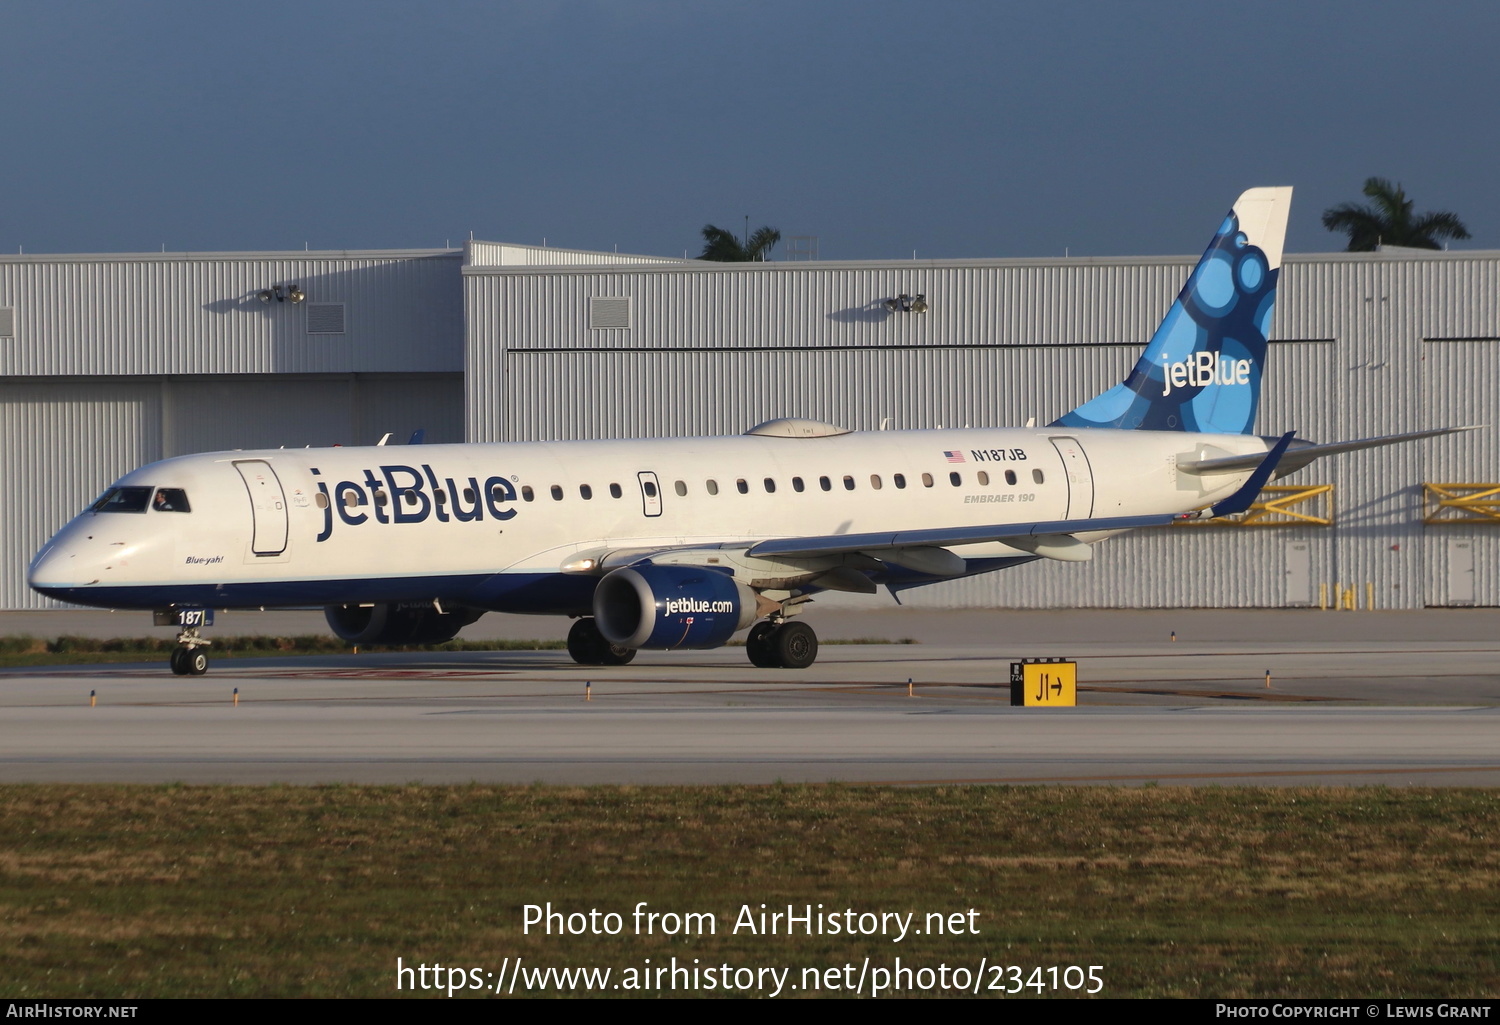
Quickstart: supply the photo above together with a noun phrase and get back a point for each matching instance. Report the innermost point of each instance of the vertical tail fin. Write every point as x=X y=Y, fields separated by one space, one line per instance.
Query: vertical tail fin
x=1202 y=368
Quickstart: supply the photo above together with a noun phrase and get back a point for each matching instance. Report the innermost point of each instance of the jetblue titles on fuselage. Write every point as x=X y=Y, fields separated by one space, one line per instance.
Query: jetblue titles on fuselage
x=406 y=494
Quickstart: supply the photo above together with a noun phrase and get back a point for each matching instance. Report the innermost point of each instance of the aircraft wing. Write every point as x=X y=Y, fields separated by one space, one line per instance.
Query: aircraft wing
x=941 y=537
x=1054 y=535
x=1299 y=457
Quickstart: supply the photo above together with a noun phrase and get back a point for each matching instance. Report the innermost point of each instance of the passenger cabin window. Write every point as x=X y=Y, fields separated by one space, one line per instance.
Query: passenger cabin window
x=848 y=483
x=927 y=480
x=557 y=493
x=899 y=479
x=681 y=488
x=1010 y=476
x=741 y=486
x=711 y=486
x=797 y=484
x=955 y=478
x=175 y=500
x=1036 y=475
x=614 y=491
x=825 y=483
x=649 y=487
x=321 y=500
x=875 y=481
x=470 y=499
x=381 y=498
x=441 y=494
x=527 y=494
x=585 y=492
x=983 y=478
x=770 y=486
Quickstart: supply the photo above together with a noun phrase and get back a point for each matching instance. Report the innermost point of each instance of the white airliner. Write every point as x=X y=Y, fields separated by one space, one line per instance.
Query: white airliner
x=681 y=543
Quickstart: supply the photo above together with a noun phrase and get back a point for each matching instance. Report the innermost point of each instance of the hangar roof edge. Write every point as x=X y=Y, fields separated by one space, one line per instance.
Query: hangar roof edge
x=789 y=266
x=288 y=254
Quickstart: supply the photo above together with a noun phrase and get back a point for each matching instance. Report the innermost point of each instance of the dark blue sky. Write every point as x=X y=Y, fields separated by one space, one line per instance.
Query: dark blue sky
x=958 y=129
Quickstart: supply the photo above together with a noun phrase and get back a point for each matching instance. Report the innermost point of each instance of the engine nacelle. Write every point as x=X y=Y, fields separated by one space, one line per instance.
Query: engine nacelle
x=398 y=622
x=671 y=607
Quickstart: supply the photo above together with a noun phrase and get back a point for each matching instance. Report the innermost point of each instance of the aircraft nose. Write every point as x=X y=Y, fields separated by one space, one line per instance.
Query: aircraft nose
x=59 y=567
x=50 y=567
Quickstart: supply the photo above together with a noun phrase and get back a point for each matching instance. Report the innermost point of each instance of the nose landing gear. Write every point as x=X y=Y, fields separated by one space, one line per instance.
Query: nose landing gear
x=189 y=658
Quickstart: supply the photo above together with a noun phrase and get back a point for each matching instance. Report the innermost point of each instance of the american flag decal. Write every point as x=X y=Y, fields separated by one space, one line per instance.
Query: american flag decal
x=955 y=456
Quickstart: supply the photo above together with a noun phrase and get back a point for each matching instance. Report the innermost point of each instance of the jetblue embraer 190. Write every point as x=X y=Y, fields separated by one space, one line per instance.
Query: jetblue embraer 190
x=682 y=543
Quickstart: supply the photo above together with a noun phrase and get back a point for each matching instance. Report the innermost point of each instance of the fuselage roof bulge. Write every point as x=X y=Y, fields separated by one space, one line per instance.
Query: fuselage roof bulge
x=682 y=543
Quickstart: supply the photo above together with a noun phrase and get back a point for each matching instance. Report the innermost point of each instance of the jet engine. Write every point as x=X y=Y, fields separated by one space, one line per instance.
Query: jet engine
x=671 y=607
x=398 y=622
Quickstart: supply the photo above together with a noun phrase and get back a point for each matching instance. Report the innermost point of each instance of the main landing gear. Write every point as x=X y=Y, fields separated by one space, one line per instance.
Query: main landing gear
x=589 y=647
x=787 y=644
x=189 y=658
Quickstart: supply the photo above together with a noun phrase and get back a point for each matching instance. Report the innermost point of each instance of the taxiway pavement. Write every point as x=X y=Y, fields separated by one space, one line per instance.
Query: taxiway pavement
x=1341 y=709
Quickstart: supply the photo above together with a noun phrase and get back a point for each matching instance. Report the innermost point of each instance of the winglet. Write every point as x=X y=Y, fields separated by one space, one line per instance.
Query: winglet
x=1245 y=496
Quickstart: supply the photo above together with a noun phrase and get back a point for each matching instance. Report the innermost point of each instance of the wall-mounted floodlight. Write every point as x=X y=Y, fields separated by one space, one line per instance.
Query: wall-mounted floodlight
x=904 y=303
x=281 y=293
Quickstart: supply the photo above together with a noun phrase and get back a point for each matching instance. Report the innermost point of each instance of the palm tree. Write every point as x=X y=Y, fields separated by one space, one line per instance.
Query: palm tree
x=721 y=245
x=1389 y=221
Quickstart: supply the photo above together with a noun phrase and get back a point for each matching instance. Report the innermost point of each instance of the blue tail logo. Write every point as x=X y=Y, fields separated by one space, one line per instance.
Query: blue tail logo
x=1202 y=368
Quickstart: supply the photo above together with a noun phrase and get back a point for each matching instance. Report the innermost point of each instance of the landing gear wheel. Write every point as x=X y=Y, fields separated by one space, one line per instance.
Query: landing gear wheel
x=795 y=645
x=616 y=655
x=589 y=647
x=759 y=647
x=178 y=661
x=195 y=662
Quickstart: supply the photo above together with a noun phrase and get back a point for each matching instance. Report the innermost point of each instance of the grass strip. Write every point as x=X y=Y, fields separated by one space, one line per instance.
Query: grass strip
x=316 y=891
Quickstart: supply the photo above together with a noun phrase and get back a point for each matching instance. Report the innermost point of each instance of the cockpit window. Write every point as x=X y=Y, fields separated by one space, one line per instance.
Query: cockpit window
x=172 y=500
x=131 y=500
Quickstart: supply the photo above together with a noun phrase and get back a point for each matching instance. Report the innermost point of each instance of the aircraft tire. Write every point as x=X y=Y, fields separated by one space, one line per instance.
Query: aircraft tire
x=585 y=643
x=615 y=654
x=195 y=662
x=759 y=647
x=795 y=644
x=178 y=661
x=589 y=647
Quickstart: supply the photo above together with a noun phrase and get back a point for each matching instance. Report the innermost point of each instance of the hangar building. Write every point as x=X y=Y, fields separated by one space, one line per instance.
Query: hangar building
x=109 y=362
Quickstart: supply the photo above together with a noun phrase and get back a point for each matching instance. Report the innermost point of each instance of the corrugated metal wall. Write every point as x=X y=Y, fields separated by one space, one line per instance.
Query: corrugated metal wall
x=715 y=349
x=508 y=254
x=68 y=439
x=200 y=314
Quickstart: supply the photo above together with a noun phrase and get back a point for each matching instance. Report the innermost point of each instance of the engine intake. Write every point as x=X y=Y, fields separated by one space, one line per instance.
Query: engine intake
x=398 y=622
x=671 y=607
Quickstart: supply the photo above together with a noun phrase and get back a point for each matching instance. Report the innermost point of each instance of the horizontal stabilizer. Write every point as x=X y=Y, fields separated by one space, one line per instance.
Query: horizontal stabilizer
x=1302 y=454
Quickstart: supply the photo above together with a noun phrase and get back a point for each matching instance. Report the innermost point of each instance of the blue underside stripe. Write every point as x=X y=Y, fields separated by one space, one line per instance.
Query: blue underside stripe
x=538 y=593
